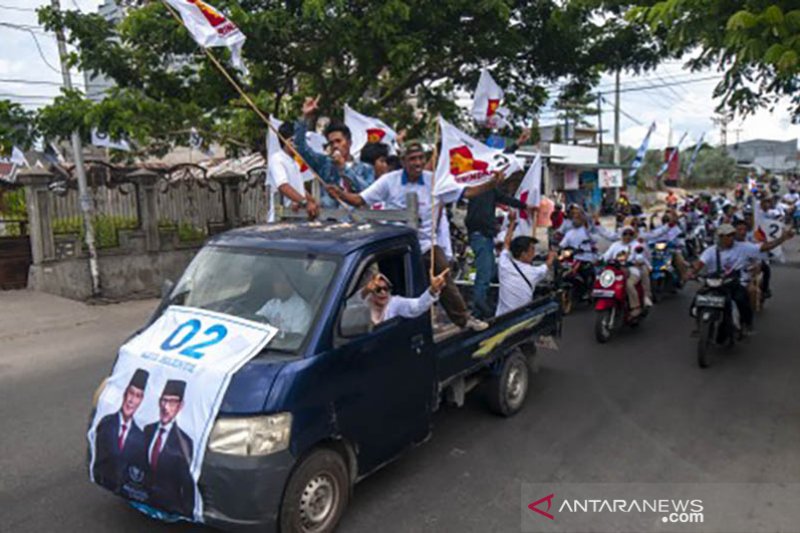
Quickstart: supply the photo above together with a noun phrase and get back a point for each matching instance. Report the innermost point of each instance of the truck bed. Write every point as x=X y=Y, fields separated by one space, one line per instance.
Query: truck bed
x=463 y=352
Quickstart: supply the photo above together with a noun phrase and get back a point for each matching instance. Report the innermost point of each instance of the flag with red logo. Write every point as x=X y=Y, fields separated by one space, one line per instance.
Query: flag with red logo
x=530 y=189
x=465 y=161
x=767 y=229
x=211 y=28
x=314 y=140
x=366 y=129
x=486 y=106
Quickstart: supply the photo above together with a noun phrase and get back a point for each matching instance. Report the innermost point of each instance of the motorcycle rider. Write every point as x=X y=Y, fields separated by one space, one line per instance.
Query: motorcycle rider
x=674 y=234
x=729 y=257
x=581 y=237
x=638 y=270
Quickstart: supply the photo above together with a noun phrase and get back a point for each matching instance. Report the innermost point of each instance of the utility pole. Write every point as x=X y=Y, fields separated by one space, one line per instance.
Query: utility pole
x=600 y=122
x=77 y=149
x=616 y=119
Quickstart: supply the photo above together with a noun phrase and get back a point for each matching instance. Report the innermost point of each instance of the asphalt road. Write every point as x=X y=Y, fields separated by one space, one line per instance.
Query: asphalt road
x=637 y=409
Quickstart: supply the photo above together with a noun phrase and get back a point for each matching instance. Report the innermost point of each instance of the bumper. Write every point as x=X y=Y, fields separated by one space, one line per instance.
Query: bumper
x=244 y=493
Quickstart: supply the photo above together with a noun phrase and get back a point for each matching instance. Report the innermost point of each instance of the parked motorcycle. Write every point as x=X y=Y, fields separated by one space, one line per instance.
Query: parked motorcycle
x=664 y=277
x=717 y=316
x=576 y=280
x=611 y=300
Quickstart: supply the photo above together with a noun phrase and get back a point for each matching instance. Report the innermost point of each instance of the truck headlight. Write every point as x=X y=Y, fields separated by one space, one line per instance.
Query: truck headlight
x=250 y=436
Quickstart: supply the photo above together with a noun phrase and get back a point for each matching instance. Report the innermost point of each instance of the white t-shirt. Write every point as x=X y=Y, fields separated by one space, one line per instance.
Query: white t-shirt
x=289 y=316
x=283 y=169
x=633 y=256
x=737 y=257
x=391 y=190
x=514 y=291
x=582 y=240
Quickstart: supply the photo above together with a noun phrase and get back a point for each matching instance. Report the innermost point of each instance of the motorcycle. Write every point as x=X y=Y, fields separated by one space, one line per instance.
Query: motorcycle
x=717 y=316
x=611 y=300
x=696 y=242
x=577 y=278
x=664 y=277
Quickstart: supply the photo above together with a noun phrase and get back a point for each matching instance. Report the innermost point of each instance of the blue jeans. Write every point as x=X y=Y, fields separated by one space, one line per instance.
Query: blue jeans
x=485 y=267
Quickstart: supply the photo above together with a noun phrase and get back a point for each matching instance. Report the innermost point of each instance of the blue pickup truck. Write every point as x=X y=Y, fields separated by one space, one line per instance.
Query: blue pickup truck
x=332 y=400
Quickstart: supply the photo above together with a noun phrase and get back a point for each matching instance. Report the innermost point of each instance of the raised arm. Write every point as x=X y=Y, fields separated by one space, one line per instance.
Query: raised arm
x=512 y=224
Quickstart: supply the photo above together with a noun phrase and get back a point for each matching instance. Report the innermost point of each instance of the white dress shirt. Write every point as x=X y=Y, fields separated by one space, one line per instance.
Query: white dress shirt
x=515 y=292
x=167 y=428
x=408 y=307
x=283 y=169
x=391 y=189
x=289 y=316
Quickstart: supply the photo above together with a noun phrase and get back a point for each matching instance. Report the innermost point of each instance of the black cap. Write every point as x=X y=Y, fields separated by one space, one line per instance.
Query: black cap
x=139 y=379
x=174 y=387
x=412 y=147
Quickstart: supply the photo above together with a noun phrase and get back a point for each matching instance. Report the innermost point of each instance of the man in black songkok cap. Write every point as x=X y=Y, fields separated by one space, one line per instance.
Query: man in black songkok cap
x=169 y=454
x=118 y=440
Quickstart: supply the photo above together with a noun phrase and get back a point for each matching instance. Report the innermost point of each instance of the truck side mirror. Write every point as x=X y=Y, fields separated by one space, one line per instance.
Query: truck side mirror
x=355 y=319
x=166 y=288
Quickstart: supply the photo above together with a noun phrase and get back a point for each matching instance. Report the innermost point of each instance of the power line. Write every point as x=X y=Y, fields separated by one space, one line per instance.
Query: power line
x=38 y=46
x=30 y=82
x=25 y=96
x=14 y=8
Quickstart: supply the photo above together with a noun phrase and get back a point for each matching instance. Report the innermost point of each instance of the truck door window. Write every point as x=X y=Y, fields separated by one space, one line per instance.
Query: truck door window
x=356 y=317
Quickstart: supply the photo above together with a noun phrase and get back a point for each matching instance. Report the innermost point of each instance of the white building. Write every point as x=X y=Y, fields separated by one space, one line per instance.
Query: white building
x=98 y=86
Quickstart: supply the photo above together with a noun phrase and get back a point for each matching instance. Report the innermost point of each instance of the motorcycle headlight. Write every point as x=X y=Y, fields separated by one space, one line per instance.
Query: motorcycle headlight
x=607 y=278
x=660 y=246
x=250 y=436
x=714 y=283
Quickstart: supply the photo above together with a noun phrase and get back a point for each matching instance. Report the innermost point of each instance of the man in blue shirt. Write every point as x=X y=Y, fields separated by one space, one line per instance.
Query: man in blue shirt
x=338 y=167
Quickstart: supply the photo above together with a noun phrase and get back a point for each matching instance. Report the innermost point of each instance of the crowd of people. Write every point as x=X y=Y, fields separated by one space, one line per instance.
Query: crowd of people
x=503 y=253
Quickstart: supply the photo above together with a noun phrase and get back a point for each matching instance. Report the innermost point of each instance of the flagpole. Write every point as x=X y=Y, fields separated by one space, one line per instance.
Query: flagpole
x=434 y=221
x=251 y=103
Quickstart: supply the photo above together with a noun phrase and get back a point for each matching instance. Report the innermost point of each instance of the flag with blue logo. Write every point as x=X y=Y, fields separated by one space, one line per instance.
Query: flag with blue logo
x=694 y=155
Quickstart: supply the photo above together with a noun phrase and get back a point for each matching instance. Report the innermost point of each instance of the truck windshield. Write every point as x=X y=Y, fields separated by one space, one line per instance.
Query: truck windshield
x=283 y=290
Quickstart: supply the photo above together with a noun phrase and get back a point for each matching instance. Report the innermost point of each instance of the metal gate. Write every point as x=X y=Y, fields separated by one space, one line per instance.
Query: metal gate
x=15 y=246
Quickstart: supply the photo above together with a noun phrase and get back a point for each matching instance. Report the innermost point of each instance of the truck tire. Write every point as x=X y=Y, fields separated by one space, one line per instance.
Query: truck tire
x=316 y=495
x=506 y=391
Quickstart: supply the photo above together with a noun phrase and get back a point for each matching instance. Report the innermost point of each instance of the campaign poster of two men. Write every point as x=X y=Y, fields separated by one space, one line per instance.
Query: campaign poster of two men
x=151 y=464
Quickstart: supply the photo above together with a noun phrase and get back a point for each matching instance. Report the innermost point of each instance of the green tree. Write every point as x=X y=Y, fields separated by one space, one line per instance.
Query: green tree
x=404 y=60
x=755 y=42
x=17 y=127
x=713 y=167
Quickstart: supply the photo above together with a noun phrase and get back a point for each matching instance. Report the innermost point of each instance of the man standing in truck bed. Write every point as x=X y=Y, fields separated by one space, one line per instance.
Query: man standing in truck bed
x=391 y=190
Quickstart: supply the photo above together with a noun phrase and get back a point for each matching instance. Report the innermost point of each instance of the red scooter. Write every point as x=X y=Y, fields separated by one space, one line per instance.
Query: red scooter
x=611 y=300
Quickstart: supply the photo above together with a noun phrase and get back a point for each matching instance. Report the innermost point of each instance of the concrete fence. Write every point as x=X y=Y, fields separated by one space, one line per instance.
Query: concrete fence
x=148 y=226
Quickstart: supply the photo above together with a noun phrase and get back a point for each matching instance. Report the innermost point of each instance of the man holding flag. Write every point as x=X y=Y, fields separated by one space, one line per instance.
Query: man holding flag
x=284 y=174
x=391 y=191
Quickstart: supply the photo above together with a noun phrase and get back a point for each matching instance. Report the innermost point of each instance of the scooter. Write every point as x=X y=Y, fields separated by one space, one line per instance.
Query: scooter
x=717 y=316
x=611 y=300
x=665 y=276
x=576 y=278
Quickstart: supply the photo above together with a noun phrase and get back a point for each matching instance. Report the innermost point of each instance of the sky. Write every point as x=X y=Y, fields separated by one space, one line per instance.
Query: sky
x=688 y=104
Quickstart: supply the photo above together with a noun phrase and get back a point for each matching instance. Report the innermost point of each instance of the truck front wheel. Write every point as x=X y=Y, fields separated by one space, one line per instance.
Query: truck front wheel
x=316 y=495
x=507 y=390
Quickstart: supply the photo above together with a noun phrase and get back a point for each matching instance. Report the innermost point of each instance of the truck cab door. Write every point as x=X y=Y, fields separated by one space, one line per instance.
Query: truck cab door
x=389 y=368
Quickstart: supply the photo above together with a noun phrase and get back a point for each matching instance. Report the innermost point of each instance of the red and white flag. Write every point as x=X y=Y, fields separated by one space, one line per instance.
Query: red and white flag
x=530 y=189
x=465 y=161
x=486 y=106
x=366 y=129
x=210 y=28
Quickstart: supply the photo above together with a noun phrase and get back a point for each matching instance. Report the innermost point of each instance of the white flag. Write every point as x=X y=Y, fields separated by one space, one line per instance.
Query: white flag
x=467 y=161
x=486 y=106
x=315 y=141
x=366 y=129
x=768 y=229
x=210 y=28
x=530 y=189
x=17 y=158
x=103 y=140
